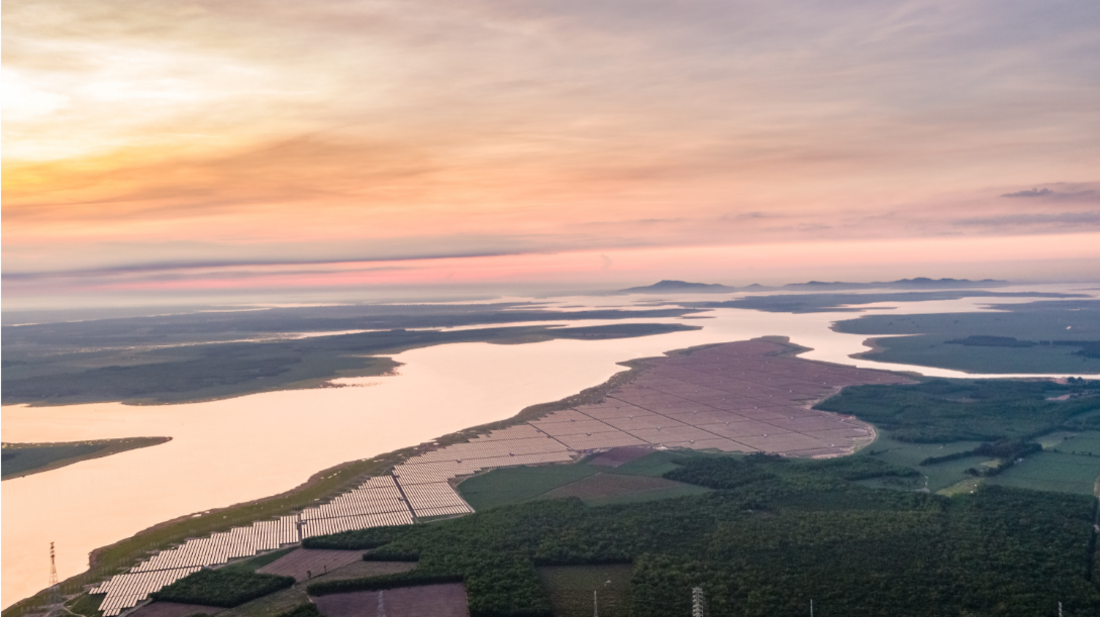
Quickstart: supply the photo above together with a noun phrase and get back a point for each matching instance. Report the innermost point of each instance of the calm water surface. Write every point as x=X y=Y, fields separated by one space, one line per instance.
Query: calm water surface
x=229 y=451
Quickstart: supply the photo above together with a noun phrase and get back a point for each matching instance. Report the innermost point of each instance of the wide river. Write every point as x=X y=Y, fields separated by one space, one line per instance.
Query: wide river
x=229 y=451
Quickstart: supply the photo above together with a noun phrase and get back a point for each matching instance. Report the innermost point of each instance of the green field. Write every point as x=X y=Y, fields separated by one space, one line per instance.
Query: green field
x=21 y=459
x=571 y=588
x=515 y=484
x=636 y=481
x=933 y=477
x=939 y=417
x=1052 y=471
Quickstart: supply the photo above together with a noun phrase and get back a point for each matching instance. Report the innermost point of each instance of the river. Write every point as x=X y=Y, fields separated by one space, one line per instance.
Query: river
x=229 y=451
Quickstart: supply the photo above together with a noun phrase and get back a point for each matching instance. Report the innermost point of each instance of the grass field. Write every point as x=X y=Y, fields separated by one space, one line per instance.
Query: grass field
x=1052 y=471
x=635 y=481
x=22 y=459
x=515 y=484
x=570 y=589
x=936 y=477
x=1069 y=463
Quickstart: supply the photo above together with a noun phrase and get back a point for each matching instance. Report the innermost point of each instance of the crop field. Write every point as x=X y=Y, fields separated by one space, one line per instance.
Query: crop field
x=363 y=569
x=435 y=600
x=570 y=589
x=174 y=609
x=304 y=563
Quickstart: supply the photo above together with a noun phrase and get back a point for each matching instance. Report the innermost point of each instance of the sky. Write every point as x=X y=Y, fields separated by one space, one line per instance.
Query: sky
x=160 y=149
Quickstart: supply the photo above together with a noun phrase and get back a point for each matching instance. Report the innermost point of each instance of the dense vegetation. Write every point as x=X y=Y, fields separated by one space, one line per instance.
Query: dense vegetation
x=945 y=411
x=414 y=578
x=226 y=588
x=1037 y=337
x=23 y=458
x=775 y=534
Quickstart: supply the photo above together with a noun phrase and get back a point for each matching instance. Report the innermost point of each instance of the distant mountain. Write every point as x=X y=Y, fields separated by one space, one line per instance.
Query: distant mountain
x=679 y=287
x=913 y=283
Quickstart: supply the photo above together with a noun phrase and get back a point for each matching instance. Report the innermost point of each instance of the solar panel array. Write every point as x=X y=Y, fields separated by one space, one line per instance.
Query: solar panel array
x=126 y=590
x=733 y=397
x=375 y=503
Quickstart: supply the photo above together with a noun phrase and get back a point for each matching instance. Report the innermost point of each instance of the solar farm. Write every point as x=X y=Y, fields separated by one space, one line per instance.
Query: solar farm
x=734 y=397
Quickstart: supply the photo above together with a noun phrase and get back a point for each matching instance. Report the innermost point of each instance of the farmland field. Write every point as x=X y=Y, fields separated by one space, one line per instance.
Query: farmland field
x=363 y=569
x=570 y=589
x=268 y=606
x=304 y=563
x=434 y=600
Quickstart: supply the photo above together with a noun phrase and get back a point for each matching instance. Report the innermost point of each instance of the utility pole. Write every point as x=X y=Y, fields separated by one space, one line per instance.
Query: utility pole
x=595 y=604
x=1059 y=609
x=811 y=607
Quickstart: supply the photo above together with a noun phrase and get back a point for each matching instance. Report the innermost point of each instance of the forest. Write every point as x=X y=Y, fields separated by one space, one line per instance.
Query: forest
x=226 y=587
x=774 y=534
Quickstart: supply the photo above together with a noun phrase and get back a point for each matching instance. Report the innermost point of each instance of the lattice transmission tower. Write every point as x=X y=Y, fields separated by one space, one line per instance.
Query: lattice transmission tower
x=55 y=587
x=698 y=603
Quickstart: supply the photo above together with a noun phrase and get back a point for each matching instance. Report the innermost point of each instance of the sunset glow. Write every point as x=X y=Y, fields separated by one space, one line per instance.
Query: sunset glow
x=338 y=144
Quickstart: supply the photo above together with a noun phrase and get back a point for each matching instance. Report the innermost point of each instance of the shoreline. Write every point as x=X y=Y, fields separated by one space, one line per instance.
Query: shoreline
x=321 y=486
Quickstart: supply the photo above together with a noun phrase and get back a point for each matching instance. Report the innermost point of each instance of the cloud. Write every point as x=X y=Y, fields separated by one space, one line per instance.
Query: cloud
x=1036 y=192
x=1038 y=222
x=1065 y=192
